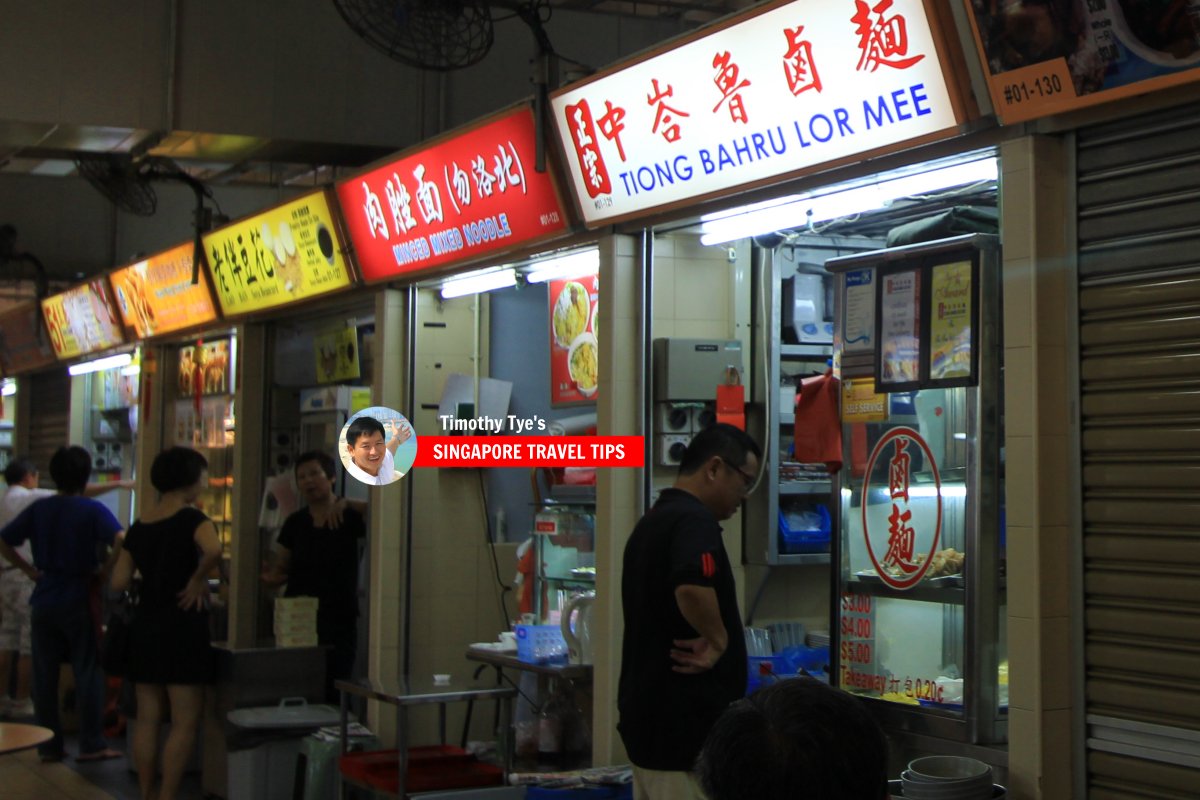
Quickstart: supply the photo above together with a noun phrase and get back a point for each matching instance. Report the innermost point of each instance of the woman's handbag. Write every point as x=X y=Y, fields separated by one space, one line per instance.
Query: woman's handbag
x=117 y=642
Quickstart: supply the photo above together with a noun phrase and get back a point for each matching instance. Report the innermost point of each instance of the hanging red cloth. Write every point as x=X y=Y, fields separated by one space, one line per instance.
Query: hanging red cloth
x=818 y=434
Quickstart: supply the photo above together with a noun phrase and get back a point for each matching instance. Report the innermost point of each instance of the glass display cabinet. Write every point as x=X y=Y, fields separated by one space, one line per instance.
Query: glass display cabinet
x=564 y=541
x=919 y=559
x=202 y=417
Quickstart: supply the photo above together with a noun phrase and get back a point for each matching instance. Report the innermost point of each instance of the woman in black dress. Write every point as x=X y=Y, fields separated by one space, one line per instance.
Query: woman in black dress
x=175 y=547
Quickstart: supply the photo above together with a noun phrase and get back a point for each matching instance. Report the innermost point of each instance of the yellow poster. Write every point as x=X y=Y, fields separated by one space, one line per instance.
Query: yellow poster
x=950 y=322
x=336 y=351
x=860 y=403
x=290 y=253
x=157 y=296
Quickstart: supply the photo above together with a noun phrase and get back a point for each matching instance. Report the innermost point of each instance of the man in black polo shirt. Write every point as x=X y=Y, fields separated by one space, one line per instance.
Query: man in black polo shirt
x=683 y=659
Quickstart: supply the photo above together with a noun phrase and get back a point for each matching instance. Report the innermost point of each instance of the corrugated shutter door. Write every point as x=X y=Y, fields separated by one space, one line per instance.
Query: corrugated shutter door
x=1139 y=338
x=50 y=416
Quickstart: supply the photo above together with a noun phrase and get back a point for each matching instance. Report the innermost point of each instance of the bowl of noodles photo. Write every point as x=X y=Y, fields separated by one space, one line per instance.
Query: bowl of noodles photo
x=1163 y=32
x=570 y=316
x=583 y=364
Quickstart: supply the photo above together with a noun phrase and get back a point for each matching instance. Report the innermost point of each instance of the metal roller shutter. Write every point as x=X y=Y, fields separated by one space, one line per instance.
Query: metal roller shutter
x=49 y=419
x=1139 y=339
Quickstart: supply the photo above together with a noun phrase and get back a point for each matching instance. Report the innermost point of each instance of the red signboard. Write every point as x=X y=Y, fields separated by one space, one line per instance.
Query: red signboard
x=24 y=343
x=457 y=199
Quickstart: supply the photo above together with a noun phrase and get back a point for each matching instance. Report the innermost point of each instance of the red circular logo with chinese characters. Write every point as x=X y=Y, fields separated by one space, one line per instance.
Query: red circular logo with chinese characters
x=907 y=519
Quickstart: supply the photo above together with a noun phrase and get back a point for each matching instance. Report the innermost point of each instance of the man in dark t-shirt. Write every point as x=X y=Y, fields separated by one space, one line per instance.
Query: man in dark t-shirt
x=683 y=659
x=66 y=533
x=318 y=554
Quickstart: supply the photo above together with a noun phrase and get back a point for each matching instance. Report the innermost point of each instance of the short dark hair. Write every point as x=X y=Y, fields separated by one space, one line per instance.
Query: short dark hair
x=70 y=467
x=789 y=740
x=362 y=426
x=176 y=468
x=328 y=465
x=724 y=440
x=18 y=469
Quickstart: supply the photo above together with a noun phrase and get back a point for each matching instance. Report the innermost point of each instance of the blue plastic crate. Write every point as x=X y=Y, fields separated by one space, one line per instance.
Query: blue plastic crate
x=808 y=540
x=540 y=644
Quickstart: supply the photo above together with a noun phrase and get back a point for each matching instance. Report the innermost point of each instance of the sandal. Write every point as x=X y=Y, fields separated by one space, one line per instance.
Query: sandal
x=99 y=755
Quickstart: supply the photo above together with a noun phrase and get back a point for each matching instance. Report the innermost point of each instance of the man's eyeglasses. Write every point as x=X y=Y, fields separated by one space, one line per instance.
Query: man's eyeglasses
x=747 y=479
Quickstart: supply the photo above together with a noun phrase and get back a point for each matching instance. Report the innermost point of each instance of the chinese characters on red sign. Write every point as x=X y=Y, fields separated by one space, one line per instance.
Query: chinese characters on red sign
x=587 y=149
x=472 y=194
x=902 y=532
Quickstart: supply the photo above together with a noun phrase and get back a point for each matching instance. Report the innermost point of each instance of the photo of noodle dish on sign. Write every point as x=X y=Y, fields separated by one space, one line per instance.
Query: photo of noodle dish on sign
x=570 y=317
x=583 y=364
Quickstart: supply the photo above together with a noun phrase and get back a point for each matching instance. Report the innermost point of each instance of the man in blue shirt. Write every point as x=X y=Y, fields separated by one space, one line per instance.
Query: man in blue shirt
x=67 y=533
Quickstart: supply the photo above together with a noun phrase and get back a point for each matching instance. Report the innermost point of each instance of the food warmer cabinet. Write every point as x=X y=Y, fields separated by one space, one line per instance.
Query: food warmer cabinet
x=919 y=590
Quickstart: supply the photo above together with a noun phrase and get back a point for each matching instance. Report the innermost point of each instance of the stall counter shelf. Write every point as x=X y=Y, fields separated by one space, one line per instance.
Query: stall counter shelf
x=403 y=692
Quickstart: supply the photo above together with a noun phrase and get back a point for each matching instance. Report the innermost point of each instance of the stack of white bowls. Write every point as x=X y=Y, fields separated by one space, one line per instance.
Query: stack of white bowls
x=948 y=778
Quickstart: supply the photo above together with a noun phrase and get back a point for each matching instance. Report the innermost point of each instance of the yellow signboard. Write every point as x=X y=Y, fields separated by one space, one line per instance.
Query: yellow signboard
x=82 y=320
x=157 y=296
x=336 y=351
x=290 y=253
x=860 y=403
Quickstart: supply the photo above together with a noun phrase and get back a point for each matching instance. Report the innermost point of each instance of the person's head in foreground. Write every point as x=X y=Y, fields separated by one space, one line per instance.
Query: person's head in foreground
x=367 y=444
x=798 y=738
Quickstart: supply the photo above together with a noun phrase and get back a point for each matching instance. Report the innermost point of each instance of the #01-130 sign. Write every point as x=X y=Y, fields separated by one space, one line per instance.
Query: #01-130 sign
x=157 y=296
x=468 y=195
x=784 y=90
x=289 y=253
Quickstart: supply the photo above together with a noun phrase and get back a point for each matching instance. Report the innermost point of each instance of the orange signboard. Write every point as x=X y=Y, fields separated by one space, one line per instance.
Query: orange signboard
x=82 y=320
x=157 y=296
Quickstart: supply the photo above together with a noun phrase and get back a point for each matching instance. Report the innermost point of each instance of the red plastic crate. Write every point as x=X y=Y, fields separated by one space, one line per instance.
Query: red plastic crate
x=429 y=769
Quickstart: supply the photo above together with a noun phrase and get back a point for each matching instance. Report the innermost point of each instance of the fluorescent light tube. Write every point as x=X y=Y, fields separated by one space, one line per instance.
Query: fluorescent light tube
x=809 y=209
x=108 y=362
x=569 y=266
x=477 y=282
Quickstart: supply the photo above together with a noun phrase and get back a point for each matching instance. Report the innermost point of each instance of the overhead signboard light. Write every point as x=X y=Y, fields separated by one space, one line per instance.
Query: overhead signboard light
x=99 y=364
x=478 y=282
x=571 y=265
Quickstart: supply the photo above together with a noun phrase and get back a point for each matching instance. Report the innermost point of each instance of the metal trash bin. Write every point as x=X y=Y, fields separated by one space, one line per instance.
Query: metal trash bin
x=263 y=744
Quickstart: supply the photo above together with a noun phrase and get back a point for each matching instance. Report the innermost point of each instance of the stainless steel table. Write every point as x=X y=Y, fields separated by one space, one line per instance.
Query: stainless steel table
x=403 y=692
